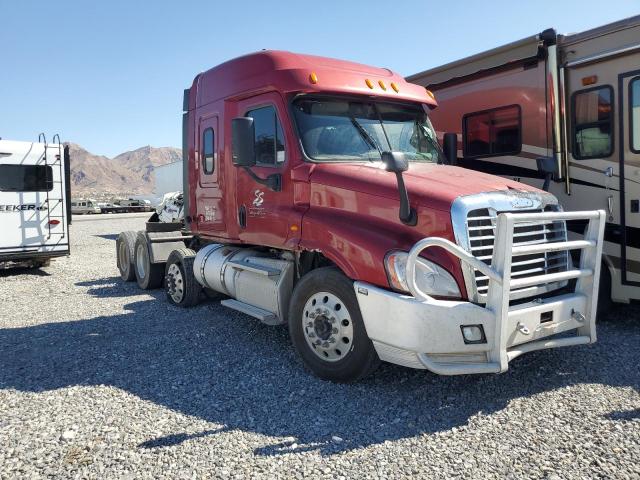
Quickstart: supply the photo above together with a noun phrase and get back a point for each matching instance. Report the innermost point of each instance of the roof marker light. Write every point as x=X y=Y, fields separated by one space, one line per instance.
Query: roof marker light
x=313 y=78
x=430 y=93
x=395 y=87
x=590 y=80
x=382 y=85
x=369 y=83
x=54 y=222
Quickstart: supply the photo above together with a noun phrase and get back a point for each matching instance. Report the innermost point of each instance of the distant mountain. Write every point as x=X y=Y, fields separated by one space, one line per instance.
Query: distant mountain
x=130 y=173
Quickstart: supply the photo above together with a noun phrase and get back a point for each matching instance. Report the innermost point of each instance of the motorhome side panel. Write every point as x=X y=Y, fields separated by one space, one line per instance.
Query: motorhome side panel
x=501 y=119
x=603 y=166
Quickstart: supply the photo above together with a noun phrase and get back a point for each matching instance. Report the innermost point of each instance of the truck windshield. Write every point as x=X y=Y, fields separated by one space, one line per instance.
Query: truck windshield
x=334 y=129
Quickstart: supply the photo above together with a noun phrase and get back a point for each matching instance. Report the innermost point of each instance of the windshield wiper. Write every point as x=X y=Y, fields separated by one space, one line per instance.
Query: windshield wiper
x=365 y=135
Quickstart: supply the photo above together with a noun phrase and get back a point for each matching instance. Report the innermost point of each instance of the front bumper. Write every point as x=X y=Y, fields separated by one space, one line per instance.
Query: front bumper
x=420 y=331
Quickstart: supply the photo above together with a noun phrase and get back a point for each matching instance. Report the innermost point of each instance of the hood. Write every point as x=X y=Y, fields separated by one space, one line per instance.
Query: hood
x=428 y=184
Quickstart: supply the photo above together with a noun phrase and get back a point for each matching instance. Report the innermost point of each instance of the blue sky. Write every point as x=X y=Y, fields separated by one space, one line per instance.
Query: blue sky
x=110 y=75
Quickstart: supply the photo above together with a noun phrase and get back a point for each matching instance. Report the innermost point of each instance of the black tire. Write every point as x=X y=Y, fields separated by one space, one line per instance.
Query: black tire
x=360 y=358
x=148 y=275
x=604 y=293
x=182 y=260
x=125 y=244
x=164 y=226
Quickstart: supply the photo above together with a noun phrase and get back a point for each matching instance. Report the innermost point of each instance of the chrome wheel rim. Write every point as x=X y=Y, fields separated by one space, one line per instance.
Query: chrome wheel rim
x=175 y=283
x=141 y=260
x=327 y=326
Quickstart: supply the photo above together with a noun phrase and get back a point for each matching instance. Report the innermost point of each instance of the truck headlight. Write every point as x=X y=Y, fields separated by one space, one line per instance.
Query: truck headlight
x=430 y=278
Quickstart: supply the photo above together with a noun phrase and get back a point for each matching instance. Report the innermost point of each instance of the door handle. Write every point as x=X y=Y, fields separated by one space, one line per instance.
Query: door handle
x=608 y=172
x=610 y=206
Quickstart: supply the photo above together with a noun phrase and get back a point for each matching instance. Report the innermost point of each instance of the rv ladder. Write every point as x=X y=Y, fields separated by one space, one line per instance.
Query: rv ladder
x=58 y=163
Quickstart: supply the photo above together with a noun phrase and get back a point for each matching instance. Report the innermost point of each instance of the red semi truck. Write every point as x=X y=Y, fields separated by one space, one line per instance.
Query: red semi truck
x=316 y=195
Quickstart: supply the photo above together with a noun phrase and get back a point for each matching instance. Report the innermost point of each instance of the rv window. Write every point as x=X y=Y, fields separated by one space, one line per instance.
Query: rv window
x=492 y=132
x=634 y=125
x=269 y=139
x=208 y=151
x=26 y=178
x=593 y=123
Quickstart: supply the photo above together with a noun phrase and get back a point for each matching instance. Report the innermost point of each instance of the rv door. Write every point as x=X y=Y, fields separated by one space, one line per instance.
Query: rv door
x=629 y=157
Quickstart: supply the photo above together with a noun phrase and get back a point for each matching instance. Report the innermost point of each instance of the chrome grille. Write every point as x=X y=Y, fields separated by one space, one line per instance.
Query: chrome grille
x=481 y=226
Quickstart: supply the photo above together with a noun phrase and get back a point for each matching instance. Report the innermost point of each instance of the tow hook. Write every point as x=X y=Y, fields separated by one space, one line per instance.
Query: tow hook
x=523 y=329
x=577 y=316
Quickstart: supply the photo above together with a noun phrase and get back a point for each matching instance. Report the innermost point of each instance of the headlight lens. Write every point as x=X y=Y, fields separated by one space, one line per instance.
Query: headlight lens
x=430 y=278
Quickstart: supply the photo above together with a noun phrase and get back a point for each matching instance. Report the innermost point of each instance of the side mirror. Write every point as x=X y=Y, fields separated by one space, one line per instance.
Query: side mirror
x=242 y=141
x=450 y=147
x=395 y=162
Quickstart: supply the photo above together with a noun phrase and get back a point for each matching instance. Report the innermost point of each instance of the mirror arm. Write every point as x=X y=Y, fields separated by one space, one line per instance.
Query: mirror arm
x=273 y=181
x=408 y=215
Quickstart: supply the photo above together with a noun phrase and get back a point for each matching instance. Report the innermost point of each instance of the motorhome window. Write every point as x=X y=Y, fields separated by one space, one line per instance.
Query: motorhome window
x=593 y=123
x=334 y=129
x=208 y=152
x=493 y=132
x=26 y=178
x=634 y=125
x=269 y=139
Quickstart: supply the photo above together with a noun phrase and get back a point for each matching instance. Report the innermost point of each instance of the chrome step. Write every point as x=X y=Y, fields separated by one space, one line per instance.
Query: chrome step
x=256 y=312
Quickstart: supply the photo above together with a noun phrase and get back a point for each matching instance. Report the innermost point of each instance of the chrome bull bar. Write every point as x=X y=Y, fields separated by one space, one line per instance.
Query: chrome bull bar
x=501 y=284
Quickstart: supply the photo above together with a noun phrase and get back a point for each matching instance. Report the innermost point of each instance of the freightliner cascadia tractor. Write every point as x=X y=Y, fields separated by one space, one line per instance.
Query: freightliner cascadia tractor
x=316 y=195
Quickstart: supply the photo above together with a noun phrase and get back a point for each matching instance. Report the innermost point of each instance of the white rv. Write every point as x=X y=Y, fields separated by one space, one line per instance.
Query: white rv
x=34 y=212
x=573 y=100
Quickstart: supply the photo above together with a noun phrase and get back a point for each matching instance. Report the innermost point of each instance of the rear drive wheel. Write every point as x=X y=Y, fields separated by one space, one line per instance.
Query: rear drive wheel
x=148 y=275
x=125 y=244
x=326 y=327
x=180 y=284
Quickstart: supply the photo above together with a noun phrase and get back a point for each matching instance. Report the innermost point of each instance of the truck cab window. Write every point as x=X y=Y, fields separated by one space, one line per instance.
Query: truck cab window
x=208 y=151
x=269 y=139
x=634 y=126
x=492 y=132
x=26 y=178
x=592 y=117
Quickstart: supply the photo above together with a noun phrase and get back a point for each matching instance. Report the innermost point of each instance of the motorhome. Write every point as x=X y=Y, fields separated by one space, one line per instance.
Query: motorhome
x=34 y=212
x=572 y=101
x=315 y=194
x=85 y=206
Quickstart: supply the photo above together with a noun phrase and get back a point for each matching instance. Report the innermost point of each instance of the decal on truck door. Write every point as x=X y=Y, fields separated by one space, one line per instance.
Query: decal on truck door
x=257 y=210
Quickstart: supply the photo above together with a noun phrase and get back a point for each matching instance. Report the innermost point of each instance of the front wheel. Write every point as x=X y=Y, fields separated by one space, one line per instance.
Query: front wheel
x=326 y=327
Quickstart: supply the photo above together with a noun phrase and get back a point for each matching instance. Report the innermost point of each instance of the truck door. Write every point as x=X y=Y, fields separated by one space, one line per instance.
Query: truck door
x=629 y=148
x=210 y=209
x=267 y=217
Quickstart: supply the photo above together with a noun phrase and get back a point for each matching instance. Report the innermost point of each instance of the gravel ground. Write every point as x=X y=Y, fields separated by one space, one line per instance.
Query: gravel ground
x=101 y=380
